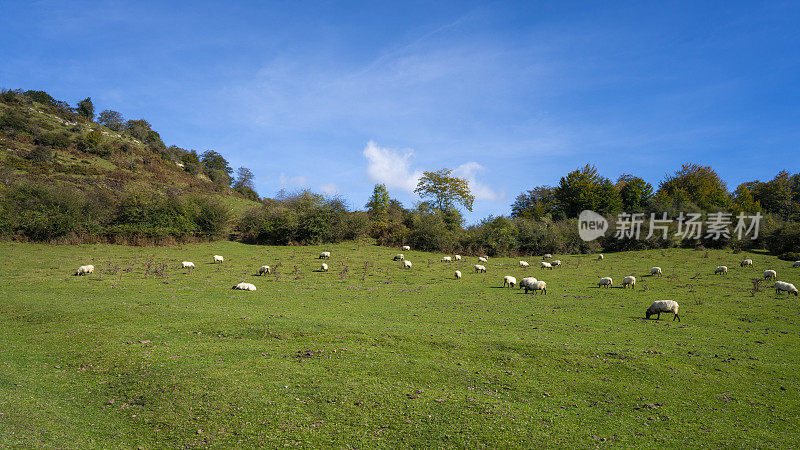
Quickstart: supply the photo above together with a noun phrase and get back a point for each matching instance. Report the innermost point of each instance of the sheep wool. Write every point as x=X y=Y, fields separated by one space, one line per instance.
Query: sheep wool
x=480 y=268
x=324 y=255
x=264 y=269
x=605 y=281
x=509 y=281
x=447 y=259
x=187 y=265
x=483 y=259
x=399 y=257
x=547 y=256
x=555 y=263
x=218 y=259
x=663 y=306
x=770 y=274
x=458 y=274
x=323 y=267
x=406 y=248
x=524 y=264
x=526 y=283
x=629 y=281
x=721 y=269
x=746 y=262
x=85 y=270
x=244 y=287
x=600 y=257
x=782 y=286
x=796 y=264
x=406 y=264
x=457 y=257
x=546 y=265
x=655 y=271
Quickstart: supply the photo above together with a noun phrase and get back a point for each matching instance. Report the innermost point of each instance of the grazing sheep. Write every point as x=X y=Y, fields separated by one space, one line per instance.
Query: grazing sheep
x=605 y=281
x=600 y=257
x=480 y=268
x=85 y=270
x=509 y=281
x=629 y=281
x=538 y=285
x=399 y=257
x=264 y=269
x=447 y=259
x=555 y=263
x=796 y=264
x=486 y=257
x=406 y=248
x=458 y=274
x=547 y=256
x=663 y=306
x=655 y=271
x=244 y=287
x=483 y=259
x=524 y=264
x=526 y=283
x=187 y=265
x=323 y=267
x=406 y=264
x=218 y=259
x=746 y=262
x=457 y=257
x=785 y=287
x=721 y=269
x=770 y=274
x=546 y=265
x=325 y=255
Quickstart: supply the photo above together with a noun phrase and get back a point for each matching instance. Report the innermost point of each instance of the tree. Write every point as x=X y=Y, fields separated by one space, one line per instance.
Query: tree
x=743 y=200
x=536 y=203
x=378 y=204
x=444 y=190
x=700 y=185
x=86 y=108
x=634 y=192
x=583 y=189
x=244 y=183
x=111 y=119
x=216 y=167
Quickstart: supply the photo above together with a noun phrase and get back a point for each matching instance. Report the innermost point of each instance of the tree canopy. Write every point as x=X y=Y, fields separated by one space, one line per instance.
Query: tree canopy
x=444 y=190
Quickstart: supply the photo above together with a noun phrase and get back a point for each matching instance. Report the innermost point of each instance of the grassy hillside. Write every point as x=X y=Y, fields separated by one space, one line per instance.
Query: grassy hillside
x=145 y=353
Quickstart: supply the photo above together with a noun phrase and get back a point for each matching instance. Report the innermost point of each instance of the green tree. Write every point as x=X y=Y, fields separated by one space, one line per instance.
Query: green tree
x=634 y=192
x=244 y=183
x=216 y=167
x=378 y=204
x=86 y=108
x=111 y=119
x=700 y=185
x=444 y=190
x=743 y=200
x=536 y=203
x=583 y=189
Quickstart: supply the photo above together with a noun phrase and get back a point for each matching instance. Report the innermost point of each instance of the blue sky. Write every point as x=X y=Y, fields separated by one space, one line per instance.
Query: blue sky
x=336 y=96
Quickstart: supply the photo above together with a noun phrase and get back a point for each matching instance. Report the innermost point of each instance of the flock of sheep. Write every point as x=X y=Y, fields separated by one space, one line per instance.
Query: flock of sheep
x=527 y=283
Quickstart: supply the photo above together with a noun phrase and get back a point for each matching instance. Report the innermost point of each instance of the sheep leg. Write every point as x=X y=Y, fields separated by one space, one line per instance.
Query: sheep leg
x=676 y=317
x=658 y=317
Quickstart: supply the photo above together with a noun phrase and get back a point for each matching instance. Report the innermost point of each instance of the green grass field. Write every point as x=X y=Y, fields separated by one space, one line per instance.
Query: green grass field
x=367 y=354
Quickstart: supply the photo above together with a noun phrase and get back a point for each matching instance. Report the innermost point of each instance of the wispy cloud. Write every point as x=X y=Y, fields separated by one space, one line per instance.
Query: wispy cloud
x=329 y=189
x=295 y=181
x=481 y=191
x=391 y=167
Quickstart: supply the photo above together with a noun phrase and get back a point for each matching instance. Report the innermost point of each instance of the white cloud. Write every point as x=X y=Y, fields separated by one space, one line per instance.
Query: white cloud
x=391 y=168
x=329 y=189
x=297 y=181
x=481 y=191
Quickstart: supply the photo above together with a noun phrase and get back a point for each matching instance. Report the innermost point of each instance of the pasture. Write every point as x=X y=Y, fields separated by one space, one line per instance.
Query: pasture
x=144 y=353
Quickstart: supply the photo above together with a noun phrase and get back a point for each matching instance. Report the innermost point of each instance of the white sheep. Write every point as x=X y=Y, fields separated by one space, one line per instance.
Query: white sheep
x=555 y=263
x=480 y=268
x=399 y=257
x=600 y=257
x=746 y=262
x=538 y=285
x=524 y=264
x=85 y=270
x=782 y=286
x=663 y=306
x=457 y=257
x=655 y=271
x=406 y=248
x=721 y=269
x=187 y=265
x=458 y=274
x=629 y=281
x=796 y=264
x=605 y=281
x=509 y=281
x=323 y=267
x=325 y=255
x=546 y=265
x=547 y=256
x=526 y=283
x=483 y=259
x=770 y=274
x=406 y=264
x=447 y=259
x=244 y=287
x=486 y=257
x=264 y=269
x=218 y=259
